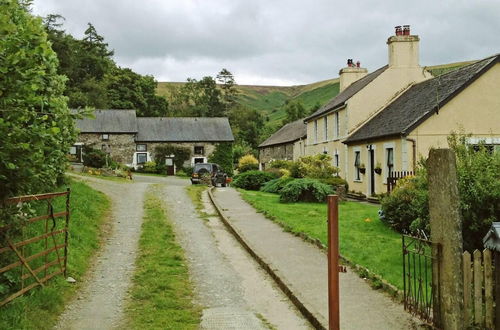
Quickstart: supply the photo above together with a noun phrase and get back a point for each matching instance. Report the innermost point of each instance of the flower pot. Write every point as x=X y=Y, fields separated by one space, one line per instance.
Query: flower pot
x=378 y=170
x=362 y=170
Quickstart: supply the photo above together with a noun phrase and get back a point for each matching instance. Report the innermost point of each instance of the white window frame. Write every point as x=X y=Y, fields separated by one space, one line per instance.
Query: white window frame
x=137 y=157
x=315 y=131
x=138 y=147
x=337 y=125
x=326 y=128
x=105 y=137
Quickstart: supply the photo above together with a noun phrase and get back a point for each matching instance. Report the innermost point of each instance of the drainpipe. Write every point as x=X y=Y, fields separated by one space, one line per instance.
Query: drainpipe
x=414 y=153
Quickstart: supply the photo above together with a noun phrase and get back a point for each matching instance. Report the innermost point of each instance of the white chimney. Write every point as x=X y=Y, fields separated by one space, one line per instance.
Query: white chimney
x=350 y=74
x=403 y=48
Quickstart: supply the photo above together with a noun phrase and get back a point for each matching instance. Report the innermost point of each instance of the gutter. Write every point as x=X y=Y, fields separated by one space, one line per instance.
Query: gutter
x=414 y=153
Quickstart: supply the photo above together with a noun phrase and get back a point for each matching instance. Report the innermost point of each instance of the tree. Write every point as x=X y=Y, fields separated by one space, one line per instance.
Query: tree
x=36 y=126
x=294 y=111
x=229 y=92
x=247 y=125
x=199 y=99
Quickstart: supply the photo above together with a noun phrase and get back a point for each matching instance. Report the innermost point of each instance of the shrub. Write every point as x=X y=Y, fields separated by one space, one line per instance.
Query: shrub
x=275 y=186
x=314 y=167
x=149 y=167
x=335 y=182
x=406 y=208
x=278 y=163
x=248 y=163
x=252 y=180
x=223 y=155
x=277 y=172
x=305 y=190
x=181 y=154
x=188 y=170
x=94 y=157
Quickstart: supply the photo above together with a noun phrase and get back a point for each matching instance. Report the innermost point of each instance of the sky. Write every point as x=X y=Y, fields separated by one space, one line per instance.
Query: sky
x=277 y=42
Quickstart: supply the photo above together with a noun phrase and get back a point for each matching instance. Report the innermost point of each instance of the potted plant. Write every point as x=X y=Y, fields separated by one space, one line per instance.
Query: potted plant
x=378 y=168
x=362 y=168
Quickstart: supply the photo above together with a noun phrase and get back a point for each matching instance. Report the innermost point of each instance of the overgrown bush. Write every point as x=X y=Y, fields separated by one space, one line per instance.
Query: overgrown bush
x=275 y=186
x=248 y=163
x=406 y=209
x=188 y=170
x=149 y=167
x=223 y=155
x=276 y=171
x=305 y=190
x=252 y=180
x=478 y=172
x=181 y=154
x=94 y=157
x=314 y=167
x=36 y=126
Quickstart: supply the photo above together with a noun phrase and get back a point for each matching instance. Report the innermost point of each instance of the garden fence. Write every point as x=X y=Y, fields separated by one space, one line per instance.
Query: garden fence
x=478 y=289
x=393 y=178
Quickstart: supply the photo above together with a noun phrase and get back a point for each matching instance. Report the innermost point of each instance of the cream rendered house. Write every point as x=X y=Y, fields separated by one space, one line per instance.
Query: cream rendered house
x=466 y=99
x=362 y=96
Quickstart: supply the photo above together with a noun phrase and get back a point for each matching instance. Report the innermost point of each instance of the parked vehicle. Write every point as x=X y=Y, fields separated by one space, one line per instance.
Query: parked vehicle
x=213 y=173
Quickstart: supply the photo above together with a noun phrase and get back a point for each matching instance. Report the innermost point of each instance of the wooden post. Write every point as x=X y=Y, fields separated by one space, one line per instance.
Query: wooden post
x=333 y=263
x=467 y=288
x=488 y=289
x=446 y=233
x=478 y=289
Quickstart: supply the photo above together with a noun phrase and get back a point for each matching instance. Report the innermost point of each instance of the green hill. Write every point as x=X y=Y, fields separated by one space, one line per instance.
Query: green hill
x=270 y=99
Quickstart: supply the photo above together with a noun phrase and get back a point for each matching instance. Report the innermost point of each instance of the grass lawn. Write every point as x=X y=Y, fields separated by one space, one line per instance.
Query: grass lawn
x=103 y=177
x=40 y=307
x=364 y=239
x=161 y=295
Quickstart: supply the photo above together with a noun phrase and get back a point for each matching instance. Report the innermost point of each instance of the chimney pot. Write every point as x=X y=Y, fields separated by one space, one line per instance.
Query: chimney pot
x=398 y=30
x=406 y=30
x=358 y=64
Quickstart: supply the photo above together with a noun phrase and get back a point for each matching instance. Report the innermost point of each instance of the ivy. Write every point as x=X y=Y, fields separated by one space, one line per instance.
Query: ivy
x=223 y=155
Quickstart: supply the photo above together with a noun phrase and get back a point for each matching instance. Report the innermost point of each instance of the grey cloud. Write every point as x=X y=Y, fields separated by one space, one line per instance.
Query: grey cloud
x=288 y=41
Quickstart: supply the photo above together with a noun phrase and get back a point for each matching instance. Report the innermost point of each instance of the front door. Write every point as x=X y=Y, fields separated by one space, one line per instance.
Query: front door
x=169 y=162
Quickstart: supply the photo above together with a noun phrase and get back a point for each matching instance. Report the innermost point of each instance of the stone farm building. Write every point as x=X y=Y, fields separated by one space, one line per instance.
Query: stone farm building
x=386 y=120
x=132 y=140
x=287 y=143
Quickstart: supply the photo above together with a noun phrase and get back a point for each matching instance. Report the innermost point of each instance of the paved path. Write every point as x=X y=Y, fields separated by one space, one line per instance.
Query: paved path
x=303 y=268
x=99 y=305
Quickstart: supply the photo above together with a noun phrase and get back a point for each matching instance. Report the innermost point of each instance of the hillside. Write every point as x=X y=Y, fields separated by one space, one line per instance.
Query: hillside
x=270 y=99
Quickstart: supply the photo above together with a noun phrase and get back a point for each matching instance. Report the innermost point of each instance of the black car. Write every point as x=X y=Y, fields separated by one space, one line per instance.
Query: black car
x=212 y=171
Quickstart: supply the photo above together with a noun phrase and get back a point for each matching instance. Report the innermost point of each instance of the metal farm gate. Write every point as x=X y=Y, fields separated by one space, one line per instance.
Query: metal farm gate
x=36 y=249
x=417 y=276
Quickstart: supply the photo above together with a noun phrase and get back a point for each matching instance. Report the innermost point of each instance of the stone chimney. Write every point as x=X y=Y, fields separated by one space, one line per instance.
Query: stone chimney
x=403 y=48
x=350 y=74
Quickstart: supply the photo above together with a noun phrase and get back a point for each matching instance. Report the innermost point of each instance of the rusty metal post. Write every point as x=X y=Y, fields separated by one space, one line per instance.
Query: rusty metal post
x=66 y=233
x=333 y=263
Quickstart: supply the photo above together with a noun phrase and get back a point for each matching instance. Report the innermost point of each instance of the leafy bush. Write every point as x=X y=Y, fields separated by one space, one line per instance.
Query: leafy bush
x=277 y=172
x=149 y=167
x=478 y=172
x=94 y=157
x=248 y=163
x=305 y=190
x=223 y=155
x=406 y=209
x=252 y=180
x=314 y=167
x=335 y=182
x=181 y=154
x=36 y=126
x=188 y=170
x=275 y=186
x=278 y=163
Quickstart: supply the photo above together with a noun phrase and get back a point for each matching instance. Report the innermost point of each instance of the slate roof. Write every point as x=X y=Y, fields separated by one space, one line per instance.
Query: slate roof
x=183 y=129
x=289 y=133
x=420 y=101
x=109 y=121
x=347 y=93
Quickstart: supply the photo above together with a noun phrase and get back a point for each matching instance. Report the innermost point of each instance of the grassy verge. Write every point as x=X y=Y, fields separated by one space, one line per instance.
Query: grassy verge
x=364 y=239
x=161 y=295
x=40 y=307
x=103 y=177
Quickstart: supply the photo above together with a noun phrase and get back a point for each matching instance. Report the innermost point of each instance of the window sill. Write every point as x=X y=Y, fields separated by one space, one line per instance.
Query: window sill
x=358 y=181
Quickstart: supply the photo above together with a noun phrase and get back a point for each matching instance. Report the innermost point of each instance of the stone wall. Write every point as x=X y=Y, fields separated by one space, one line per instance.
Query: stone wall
x=121 y=147
x=281 y=152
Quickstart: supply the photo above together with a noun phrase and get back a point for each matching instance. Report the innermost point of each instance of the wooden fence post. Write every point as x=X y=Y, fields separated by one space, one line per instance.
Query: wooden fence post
x=446 y=234
x=488 y=289
x=467 y=287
